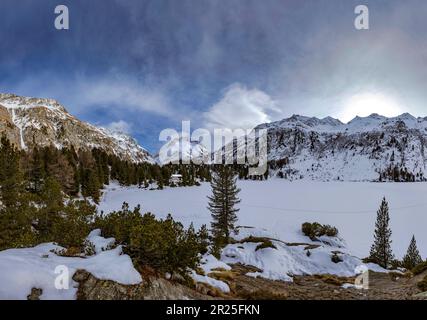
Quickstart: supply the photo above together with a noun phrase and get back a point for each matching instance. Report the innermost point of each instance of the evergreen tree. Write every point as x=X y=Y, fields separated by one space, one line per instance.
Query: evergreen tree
x=36 y=172
x=50 y=209
x=203 y=235
x=412 y=257
x=74 y=224
x=11 y=177
x=381 y=252
x=222 y=204
x=90 y=184
x=63 y=172
x=15 y=211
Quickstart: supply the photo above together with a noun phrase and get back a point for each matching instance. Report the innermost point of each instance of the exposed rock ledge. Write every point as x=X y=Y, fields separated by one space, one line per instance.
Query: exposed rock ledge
x=152 y=288
x=382 y=286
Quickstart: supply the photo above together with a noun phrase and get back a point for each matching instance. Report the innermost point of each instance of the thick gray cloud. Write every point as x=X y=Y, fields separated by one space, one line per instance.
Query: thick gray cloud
x=154 y=63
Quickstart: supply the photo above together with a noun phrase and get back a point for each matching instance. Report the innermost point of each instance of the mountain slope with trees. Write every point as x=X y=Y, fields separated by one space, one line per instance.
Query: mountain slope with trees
x=34 y=122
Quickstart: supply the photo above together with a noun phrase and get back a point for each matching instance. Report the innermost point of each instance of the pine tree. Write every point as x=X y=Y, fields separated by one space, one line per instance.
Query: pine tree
x=91 y=185
x=412 y=257
x=36 y=172
x=74 y=224
x=50 y=209
x=222 y=204
x=15 y=211
x=381 y=252
x=63 y=172
x=11 y=177
x=203 y=236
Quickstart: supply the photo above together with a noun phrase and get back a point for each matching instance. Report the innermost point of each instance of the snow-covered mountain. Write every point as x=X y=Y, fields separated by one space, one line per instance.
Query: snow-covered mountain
x=182 y=148
x=373 y=148
x=29 y=122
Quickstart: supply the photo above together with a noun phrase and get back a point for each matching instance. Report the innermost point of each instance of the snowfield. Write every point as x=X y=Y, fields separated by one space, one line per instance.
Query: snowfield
x=273 y=209
x=280 y=207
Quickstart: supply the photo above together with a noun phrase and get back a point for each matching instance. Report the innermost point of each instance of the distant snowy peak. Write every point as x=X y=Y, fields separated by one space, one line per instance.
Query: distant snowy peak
x=12 y=101
x=183 y=148
x=373 y=122
x=127 y=147
x=378 y=122
x=304 y=122
x=28 y=122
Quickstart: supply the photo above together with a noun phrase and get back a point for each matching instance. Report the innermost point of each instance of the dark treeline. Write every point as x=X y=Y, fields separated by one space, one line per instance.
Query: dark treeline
x=33 y=207
x=400 y=174
x=86 y=172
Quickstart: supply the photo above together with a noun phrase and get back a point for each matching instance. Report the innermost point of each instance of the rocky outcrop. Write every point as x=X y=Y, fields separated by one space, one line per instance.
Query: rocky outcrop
x=35 y=294
x=29 y=122
x=152 y=288
x=382 y=286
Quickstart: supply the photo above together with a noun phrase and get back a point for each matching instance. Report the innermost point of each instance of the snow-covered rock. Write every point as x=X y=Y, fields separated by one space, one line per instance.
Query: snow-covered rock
x=288 y=259
x=100 y=243
x=39 y=267
x=208 y=264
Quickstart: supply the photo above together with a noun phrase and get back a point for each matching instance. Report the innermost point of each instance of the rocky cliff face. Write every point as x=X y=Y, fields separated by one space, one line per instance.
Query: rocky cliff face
x=29 y=122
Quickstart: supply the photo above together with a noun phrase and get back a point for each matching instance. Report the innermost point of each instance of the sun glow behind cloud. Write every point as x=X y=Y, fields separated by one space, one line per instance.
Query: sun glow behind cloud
x=364 y=104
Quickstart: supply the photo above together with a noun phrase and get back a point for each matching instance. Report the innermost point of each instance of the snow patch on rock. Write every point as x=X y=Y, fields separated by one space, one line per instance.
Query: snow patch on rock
x=27 y=268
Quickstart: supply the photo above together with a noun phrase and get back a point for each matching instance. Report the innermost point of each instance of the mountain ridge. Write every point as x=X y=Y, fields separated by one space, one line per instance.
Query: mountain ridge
x=29 y=122
x=357 y=122
x=371 y=148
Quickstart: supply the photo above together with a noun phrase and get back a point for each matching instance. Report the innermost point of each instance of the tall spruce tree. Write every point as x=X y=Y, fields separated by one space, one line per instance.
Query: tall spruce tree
x=36 y=172
x=11 y=177
x=15 y=213
x=51 y=205
x=222 y=204
x=412 y=256
x=381 y=252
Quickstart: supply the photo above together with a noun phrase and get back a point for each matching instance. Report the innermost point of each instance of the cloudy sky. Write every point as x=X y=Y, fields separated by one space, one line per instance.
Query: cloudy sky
x=145 y=65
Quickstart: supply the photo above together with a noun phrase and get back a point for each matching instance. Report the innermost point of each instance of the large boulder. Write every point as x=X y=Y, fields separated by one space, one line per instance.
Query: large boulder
x=152 y=288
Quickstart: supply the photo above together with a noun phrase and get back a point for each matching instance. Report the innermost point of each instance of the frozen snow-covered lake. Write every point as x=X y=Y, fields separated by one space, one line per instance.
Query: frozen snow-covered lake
x=281 y=207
